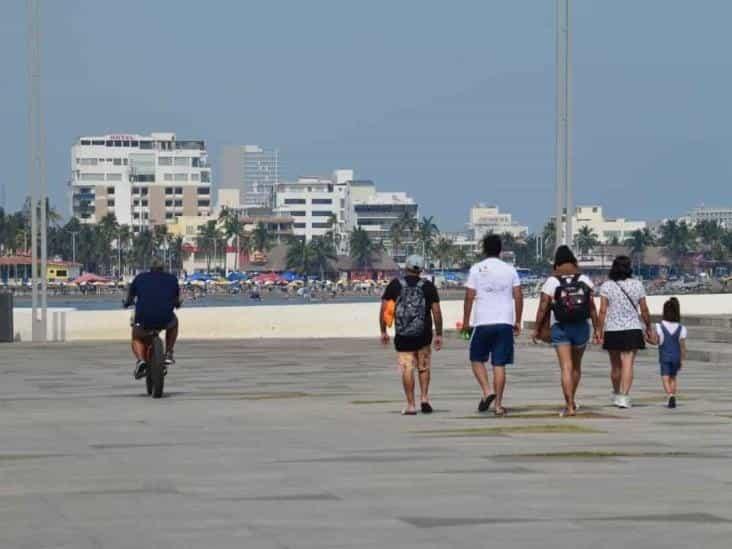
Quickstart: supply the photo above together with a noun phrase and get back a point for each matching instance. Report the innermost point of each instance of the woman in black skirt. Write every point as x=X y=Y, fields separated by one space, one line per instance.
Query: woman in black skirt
x=623 y=317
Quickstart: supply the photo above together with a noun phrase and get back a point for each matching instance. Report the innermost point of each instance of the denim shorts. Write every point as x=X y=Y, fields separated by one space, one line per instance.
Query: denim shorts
x=670 y=368
x=576 y=334
x=494 y=341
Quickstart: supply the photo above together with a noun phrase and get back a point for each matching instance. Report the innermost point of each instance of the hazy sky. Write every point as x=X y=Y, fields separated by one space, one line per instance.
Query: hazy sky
x=450 y=101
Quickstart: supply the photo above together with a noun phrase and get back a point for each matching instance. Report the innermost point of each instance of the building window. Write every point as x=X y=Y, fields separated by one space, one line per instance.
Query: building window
x=178 y=203
x=135 y=190
x=322 y=201
x=143 y=192
x=206 y=177
x=85 y=142
x=168 y=190
x=181 y=177
x=92 y=177
x=98 y=142
x=204 y=203
x=169 y=215
x=321 y=225
x=165 y=161
x=179 y=190
x=195 y=177
x=181 y=161
x=146 y=145
x=204 y=190
x=114 y=177
x=110 y=203
x=195 y=162
x=144 y=202
x=299 y=225
x=295 y=201
x=298 y=213
x=168 y=177
x=168 y=203
x=322 y=213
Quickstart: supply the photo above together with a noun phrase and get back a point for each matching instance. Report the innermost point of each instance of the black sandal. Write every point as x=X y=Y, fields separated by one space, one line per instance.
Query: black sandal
x=426 y=408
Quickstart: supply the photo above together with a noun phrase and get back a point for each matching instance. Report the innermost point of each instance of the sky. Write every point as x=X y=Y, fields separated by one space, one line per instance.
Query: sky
x=452 y=102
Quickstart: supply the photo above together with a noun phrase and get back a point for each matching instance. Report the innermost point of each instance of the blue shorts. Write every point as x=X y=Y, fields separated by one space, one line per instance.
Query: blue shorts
x=494 y=341
x=670 y=368
x=576 y=334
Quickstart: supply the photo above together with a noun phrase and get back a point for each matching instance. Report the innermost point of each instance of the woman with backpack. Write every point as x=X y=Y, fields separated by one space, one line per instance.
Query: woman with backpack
x=567 y=306
x=623 y=317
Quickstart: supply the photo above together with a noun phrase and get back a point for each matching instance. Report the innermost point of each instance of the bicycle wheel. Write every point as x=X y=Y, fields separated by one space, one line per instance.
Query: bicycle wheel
x=149 y=383
x=156 y=368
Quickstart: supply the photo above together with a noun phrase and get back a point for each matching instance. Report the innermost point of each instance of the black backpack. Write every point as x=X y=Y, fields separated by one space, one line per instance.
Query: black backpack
x=571 y=300
x=411 y=310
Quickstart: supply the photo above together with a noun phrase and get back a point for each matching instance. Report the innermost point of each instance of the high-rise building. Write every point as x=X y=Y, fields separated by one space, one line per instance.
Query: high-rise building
x=142 y=180
x=317 y=205
x=253 y=170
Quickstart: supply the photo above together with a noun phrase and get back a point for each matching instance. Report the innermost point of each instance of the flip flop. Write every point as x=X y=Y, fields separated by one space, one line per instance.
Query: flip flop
x=406 y=412
x=500 y=412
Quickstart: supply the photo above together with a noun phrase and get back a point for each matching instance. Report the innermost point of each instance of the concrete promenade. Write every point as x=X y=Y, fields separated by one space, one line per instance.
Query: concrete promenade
x=299 y=444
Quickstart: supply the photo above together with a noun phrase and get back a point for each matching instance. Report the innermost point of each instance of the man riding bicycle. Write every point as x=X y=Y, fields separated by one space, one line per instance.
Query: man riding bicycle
x=156 y=295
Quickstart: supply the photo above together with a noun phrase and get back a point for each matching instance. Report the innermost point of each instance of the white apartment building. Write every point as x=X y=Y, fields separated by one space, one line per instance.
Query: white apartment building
x=317 y=205
x=723 y=216
x=376 y=212
x=607 y=229
x=142 y=180
x=486 y=219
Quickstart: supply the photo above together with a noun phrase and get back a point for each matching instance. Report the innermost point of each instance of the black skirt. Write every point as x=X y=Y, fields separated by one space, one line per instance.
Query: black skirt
x=625 y=340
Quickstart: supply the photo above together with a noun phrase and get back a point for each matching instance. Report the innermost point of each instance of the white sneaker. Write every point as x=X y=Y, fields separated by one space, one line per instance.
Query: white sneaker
x=624 y=401
x=614 y=399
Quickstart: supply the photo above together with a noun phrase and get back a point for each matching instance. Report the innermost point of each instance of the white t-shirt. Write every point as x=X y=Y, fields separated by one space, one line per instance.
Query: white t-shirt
x=622 y=313
x=671 y=327
x=551 y=285
x=493 y=281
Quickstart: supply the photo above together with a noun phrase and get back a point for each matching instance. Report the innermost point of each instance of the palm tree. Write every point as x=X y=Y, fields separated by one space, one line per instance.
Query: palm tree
x=323 y=254
x=461 y=258
x=396 y=235
x=709 y=232
x=299 y=256
x=444 y=252
x=209 y=240
x=676 y=238
x=409 y=224
x=586 y=240
x=427 y=231
x=142 y=248
x=637 y=243
x=235 y=231
x=549 y=238
x=362 y=247
x=261 y=238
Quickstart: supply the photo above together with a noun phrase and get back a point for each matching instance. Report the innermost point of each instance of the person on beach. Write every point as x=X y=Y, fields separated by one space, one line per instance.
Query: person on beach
x=415 y=304
x=567 y=298
x=671 y=337
x=623 y=317
x=493 y=289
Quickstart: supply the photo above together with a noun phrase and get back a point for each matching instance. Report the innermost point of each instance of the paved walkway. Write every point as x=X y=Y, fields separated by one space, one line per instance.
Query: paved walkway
x=299 y=444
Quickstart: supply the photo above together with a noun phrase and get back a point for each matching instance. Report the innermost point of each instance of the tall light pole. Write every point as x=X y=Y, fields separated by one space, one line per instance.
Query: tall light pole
x=36 y=173
x=563 y=160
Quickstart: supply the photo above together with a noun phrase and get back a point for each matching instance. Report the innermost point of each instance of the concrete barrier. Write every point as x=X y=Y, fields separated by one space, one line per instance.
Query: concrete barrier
x=330 y=320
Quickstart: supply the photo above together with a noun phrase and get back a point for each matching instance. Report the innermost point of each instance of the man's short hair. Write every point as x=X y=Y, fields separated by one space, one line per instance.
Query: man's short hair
x=157 y=265
x=492 y=245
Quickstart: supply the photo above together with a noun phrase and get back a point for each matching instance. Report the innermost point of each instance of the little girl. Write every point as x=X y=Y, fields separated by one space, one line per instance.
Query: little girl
x=671 y=340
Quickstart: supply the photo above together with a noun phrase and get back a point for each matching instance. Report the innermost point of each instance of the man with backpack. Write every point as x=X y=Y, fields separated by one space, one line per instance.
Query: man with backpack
x=415 y=303
x=493 y=289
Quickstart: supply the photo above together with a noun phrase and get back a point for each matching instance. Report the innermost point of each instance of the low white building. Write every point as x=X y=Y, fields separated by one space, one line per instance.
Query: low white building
x=607 y=229
x=723 y=216
x=486 y=219
x=316 y=204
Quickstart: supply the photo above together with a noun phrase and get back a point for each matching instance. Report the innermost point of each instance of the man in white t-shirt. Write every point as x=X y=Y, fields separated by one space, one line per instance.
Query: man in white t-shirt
x=493 y=293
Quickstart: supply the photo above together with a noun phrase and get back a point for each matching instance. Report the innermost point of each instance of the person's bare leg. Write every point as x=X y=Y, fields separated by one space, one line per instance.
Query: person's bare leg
x=408 y=382
x=139 y=349
x=424 y=385
x=674 y=385
x=577 y=354
x=667 y=385
x=171 y=336
x=481 y=374
x=626 y=375
x=499 y=385
x=616 y=367
x=564 y=355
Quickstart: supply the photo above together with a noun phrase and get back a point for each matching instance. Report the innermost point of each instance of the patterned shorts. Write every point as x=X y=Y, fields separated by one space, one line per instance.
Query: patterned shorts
x=421 y=359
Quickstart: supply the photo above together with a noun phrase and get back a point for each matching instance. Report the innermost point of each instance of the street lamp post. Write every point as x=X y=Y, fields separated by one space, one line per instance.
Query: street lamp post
x=563 y=160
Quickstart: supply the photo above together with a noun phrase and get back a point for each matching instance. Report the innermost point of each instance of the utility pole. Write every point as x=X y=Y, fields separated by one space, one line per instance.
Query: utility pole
x=563 y=144
x=36 y=175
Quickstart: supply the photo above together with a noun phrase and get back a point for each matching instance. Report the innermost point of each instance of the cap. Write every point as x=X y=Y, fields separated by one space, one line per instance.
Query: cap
x=415 y=263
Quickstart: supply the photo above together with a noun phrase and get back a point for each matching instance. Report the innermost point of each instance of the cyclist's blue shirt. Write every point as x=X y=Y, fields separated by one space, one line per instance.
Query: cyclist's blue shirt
x=157 y=295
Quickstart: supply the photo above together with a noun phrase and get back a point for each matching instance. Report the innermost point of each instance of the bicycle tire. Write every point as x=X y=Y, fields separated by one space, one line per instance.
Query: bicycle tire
x=149 y=383
x=156 y=367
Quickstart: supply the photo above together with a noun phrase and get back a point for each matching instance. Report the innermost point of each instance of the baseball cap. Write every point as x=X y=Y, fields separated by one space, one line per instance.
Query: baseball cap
x=415 y=263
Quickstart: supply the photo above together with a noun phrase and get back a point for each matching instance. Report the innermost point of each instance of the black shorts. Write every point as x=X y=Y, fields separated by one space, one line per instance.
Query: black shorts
x=625 y=340
x=141 y=332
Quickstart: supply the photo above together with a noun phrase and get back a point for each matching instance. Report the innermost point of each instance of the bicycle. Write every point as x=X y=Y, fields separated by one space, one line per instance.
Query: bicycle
x=155 y=358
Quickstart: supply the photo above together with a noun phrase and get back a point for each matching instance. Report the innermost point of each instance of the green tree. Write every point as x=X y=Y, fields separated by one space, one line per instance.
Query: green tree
x=209 y=241
x=637 y=243
x=677 y=239
x=586 y=240
x=299 y=256
x=324 y=254
x=261 y=238
x=362 y=247
x=427 y=232
x=444 y=252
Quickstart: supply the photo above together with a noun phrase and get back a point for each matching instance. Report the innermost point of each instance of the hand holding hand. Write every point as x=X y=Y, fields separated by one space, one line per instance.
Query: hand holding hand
x=385 y=339
x=517 y=329
x=438 y=343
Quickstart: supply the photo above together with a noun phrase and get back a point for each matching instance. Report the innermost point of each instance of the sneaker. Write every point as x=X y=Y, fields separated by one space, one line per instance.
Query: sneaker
x=614 y=399
x=140 y=369
x=168 y=358
x=624 y=402
x=485 y=403
x=426 y=408
x=672 y=401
